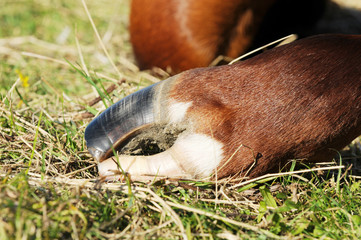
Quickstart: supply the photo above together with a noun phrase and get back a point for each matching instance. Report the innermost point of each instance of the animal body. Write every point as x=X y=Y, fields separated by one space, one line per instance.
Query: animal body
x=185 y=34
x=297 y=101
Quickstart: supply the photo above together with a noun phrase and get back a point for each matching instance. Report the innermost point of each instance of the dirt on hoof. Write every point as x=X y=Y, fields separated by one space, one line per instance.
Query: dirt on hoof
x=152 y=140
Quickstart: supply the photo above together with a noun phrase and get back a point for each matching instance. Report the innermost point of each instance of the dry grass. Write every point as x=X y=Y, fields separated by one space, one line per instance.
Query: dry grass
x=49 y=186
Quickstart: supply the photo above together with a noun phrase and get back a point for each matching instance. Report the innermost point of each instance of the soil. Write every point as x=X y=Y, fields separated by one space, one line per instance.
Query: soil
x=152 y=140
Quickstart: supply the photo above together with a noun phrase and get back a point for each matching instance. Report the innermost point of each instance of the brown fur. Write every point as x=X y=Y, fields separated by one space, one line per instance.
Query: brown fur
x=184 y=34
x=300 y=100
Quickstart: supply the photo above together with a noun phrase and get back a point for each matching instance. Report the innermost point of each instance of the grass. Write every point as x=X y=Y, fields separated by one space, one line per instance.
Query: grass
x=52 y=68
